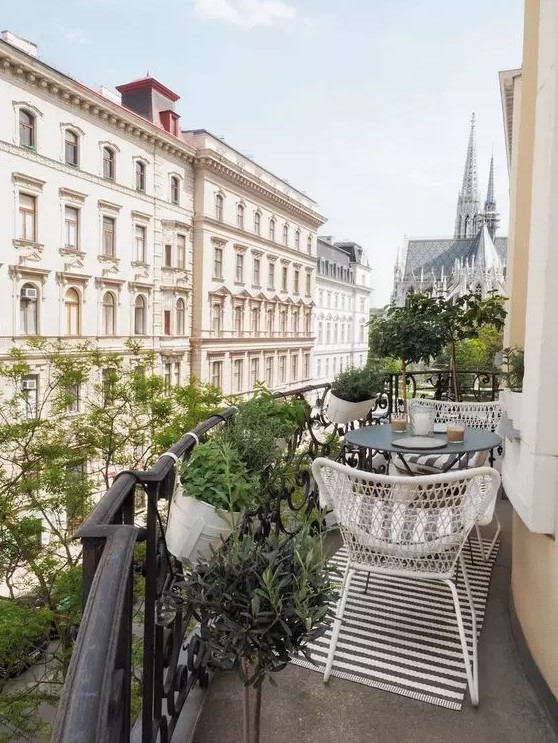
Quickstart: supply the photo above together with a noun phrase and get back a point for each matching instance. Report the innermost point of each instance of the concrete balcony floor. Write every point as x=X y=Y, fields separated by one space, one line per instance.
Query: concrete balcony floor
x=302 y=708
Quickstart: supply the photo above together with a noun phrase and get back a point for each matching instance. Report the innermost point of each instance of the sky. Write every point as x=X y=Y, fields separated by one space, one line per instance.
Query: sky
x=362 y=104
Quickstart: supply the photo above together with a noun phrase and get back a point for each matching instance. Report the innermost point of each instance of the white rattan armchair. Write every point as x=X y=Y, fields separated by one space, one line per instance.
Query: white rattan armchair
x=411 y=527
x=483 y=415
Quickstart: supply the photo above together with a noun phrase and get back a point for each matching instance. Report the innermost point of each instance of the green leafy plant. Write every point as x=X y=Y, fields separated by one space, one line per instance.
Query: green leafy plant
x=23 y=631
x=514 y=367
x=260 y=601
x=355 y=384
x=216 y=474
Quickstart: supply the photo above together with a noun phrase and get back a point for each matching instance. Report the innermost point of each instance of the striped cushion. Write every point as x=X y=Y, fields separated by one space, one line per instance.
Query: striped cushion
x=424 y=464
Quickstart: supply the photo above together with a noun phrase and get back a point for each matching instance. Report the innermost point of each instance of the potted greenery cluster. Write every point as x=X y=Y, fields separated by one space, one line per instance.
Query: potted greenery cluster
x=512 y=375
x=228 y=473
x=353 y=392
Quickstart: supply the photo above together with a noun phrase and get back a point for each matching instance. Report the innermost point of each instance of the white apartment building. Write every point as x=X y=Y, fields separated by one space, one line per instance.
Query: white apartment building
x=254 y=272
x=95 y=214
x=343 y=292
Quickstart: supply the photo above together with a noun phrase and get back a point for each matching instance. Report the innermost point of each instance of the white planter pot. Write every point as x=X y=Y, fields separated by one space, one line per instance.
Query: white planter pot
x=340 y=411
x=194 y=527
x=513 y=405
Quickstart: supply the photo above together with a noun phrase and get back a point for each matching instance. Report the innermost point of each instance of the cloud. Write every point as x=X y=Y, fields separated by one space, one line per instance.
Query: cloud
x=75 y=36
x=245 y=13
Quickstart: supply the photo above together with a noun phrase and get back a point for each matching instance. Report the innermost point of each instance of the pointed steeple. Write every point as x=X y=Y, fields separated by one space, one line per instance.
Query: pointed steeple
x=490 y=216
x=468 y=205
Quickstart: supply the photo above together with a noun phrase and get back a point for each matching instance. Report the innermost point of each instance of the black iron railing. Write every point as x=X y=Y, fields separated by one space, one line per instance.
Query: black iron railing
x=96 y=701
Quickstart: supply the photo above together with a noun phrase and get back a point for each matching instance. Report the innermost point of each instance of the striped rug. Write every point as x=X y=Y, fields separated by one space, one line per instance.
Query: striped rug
x=402 y=635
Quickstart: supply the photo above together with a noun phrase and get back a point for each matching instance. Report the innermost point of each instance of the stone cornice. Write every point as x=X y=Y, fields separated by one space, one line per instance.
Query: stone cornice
x=75 y=96
x=210 y=160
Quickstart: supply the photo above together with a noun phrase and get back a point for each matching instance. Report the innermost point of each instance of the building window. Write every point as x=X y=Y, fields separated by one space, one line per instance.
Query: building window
x=29 y=310
x=307 y=323
x=328 y=333
x=285 y=234
x=272 y=229
x=327 y=367
x=309 y=244
x=217 y=374
x=284 y=278
x=282 y=369
x=219 y=207
x=297 y=240
x=362 y=333
x=320 y=332
x=180 y=317
x=269 y=371
x=167 y=375
x=256 y=272
x=240 y=216
x=139 y=315
x=167 y=255
x=108 y=249
x=180 y=251
x=319 y=368
x=255 y=320
x=140 y=237
x=296 y=276
x=217 y=319
x=140 y=175
x=218 y=263
x=27 y=217
x=254 y=371
x=362 y=304
x=71 y=148
x=29 y=392
x=237 y=374
x=73 y=398
x=257 y=223
x=109 y=163
x=308 y=284
x=239 y=275
x=269 y=322
x=167 y=322
x=109 y=314
x=238 y=320
x=294 y=368
x=271 y=276
x=294 y=322
x=71 y=227
x=26 y=128
x=306 y=366
x=284 y=322
x=73 y=312
x=177 y=374
x=174 y=189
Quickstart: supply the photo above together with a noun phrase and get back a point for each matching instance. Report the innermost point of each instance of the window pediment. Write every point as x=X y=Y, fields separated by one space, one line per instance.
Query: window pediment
x=108 y=206
x=27 y=181
x=69 y=195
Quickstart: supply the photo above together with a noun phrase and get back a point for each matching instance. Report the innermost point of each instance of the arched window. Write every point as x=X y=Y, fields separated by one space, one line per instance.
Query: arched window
x=257 y=222
x=71 y=148
x=256 y=320
x=27 y=133
x=174 y=189
x=109 y=314
x=240 y=216
x=139 y=315
x=285 y=234
x=270 y=317
x=109 y=163
x=217 y=319
x=180 y=317
x=297 y=240
x=272 y=229
x=219 y=207
x=29 y=310
x=73 y=312
x=140 y=175
x=238 y=320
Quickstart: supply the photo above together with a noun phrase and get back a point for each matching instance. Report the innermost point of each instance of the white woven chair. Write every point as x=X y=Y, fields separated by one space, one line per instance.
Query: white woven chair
x=482 y=415
x=413 y=527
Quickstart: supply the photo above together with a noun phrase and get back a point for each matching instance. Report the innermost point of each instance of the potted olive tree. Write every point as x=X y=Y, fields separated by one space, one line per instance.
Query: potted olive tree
x=353 y=392
x=260 y=600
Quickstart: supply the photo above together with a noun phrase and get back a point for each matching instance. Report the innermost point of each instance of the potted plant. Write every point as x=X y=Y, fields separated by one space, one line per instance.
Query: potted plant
x=514 y=369
x=260 y=600
x=213 y=487
x=353 y=392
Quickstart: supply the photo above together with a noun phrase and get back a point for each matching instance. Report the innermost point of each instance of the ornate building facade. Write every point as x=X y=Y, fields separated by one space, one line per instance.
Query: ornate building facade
x=343 y=291
x=474 y=259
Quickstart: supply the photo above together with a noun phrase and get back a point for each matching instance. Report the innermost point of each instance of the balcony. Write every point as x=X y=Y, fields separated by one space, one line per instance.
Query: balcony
x=176 y=674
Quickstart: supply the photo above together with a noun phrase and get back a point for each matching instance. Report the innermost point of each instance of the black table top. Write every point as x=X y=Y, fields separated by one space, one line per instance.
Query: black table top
x=381 y=437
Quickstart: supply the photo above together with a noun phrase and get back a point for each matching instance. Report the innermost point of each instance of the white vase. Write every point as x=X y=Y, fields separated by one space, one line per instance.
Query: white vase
x=195 y=527
x=341 y=411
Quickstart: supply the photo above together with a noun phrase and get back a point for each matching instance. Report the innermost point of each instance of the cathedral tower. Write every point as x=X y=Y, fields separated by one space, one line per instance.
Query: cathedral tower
x=490 y=216
x=468 y=204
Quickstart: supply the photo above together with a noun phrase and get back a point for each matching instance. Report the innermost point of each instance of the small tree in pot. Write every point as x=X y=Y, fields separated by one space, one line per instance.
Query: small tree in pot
x=353 y=392
x=260 y=600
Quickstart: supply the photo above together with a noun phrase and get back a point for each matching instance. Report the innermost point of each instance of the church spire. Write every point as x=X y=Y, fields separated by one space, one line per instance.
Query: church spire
x=490 y=216
x=468 y=205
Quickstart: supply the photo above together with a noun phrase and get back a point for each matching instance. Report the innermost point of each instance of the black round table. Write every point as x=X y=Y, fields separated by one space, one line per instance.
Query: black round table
x=381 y=438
